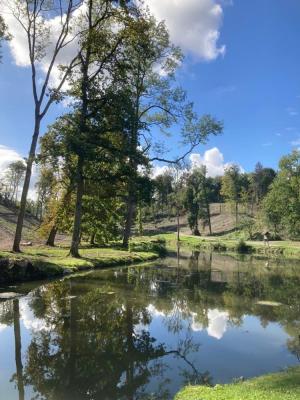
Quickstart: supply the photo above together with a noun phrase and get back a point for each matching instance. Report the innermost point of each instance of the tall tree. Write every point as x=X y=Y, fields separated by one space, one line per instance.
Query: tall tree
x=156 y=101
x=199 y=193
x=282 y=203
x=261 y=181
x=14 y=175
x=45 y=44
x=90 y=87
x=231 y=187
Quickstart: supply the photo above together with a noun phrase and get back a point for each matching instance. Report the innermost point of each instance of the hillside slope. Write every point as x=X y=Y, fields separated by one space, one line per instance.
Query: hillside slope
x=8 y=219
x=222 y=221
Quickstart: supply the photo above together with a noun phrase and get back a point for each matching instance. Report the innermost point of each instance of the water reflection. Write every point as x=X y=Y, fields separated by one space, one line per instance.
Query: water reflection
x=143 y=332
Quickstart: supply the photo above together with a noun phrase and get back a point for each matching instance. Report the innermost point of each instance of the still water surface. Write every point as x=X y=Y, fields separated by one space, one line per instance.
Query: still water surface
x=142 y=332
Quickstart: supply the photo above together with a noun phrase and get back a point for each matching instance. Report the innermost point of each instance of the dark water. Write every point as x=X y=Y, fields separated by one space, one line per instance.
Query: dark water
x=143 y=332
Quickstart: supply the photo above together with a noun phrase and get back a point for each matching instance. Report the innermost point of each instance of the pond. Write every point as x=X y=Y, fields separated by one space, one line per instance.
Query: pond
x=143 y=332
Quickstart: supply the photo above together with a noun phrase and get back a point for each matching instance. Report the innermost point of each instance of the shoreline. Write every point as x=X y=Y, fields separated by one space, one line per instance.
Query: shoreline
x=38 y=263
x=283 y=385
x=276 y=249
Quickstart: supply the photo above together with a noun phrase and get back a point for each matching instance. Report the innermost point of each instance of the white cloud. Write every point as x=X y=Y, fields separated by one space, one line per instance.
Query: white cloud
x=213 y=159
x=194 y=25
x=159 y=170
x=3 y=327
x=217 y=323
x=19 y=47
x=7 y=156
x=29 y=320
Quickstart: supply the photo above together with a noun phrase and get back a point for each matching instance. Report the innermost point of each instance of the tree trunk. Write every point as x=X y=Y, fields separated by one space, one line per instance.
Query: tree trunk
x=178 y=225
x=78 y=211
x=92 y=240
x=20 y=221
x=18 y=355
x=140 y=220
x=129 y=220
x=208 y=218
x=51 y=237
x=236 y=213
x=196 y=231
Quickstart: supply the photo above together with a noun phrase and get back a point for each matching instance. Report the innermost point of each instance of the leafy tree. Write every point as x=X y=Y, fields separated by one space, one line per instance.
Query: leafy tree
x=92 y=85
x=14 y=175
x=45 y=188
x=282 y=203
x=32 y=17
x=199 y=194
x=156 y=101
x=163 y=189
x=261 y=181
x=231 y=187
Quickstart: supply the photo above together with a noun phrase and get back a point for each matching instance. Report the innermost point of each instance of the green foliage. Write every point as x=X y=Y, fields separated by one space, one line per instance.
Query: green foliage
x=242 y=247
x=197 y=199
x=155 y=246
x=14 y=176
x=281 y=386
x=4 y=35
x=282 y=204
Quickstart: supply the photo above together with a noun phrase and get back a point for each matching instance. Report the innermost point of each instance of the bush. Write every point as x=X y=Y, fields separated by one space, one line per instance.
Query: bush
x=155 y=246
x=242 y=247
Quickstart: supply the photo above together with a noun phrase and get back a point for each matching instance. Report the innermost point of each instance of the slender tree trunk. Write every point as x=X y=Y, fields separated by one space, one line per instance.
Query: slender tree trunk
x=92 y=240
x=236 y=213
x=18 y=354
x=37 y=206
x=129 y=219
x=178 y=225
x=140 y=220
x=208 y=218
x=51 y=238
x=20 y=221
x=78 y=211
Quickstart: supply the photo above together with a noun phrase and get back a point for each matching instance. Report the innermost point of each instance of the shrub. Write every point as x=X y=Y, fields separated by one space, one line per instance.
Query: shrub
x=242 y=247
x=156 y=246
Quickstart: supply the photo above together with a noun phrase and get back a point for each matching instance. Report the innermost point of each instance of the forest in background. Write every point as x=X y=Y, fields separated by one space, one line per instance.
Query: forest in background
x=122 y=103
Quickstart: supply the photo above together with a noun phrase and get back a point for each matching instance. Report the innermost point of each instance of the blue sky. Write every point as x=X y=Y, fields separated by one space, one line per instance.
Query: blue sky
x=253 y=85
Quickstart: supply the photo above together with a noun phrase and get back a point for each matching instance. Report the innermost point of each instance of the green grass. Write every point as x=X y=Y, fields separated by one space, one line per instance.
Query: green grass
x=287 y=249
x=49 y=262
x=280 y=386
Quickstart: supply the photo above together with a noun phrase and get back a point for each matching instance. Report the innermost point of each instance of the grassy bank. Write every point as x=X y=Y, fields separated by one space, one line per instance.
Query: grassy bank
x=287 y=249
x=280 y=386
x=44 y=262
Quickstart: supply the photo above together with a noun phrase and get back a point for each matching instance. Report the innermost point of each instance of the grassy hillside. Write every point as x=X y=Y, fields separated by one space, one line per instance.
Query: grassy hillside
x=222 y=222
x=8 y=219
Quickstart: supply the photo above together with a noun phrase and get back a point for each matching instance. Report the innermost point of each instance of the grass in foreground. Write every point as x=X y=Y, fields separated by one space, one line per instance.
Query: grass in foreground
x=280 y=386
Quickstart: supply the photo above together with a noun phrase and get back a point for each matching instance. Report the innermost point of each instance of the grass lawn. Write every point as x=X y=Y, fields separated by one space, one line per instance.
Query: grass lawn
x=280 y=386
x=284 y=248
x=54 y=261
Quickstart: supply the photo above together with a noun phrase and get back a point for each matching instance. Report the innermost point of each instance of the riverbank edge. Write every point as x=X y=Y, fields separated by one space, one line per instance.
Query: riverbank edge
x=283 y=249
x=39 y=263
x=283 y=385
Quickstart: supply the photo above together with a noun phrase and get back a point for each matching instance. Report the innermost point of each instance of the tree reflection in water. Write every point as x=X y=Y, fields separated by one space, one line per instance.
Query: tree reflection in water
x=93 y=340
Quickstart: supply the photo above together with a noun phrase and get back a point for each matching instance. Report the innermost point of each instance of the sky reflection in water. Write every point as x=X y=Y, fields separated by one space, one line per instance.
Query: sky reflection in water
x=143 y=332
